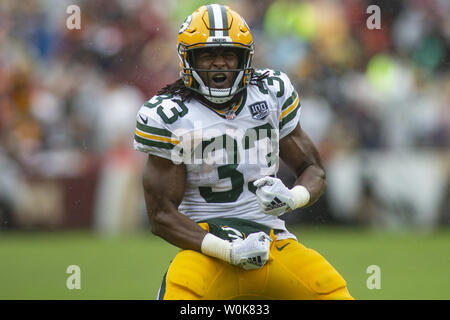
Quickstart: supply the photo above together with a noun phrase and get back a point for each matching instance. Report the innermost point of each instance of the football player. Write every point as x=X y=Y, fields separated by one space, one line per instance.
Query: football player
x=214 y=139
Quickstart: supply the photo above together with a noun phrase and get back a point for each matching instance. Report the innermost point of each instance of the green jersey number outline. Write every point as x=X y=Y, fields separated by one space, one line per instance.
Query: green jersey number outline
x=229 y=171
x=176 y=113
x=270 y=82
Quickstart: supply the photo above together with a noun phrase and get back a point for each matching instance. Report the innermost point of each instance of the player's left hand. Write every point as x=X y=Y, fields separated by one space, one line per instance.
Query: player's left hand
x=272 y=196
x=275 y=198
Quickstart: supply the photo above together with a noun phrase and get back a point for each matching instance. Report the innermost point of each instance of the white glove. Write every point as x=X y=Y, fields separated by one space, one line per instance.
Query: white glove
x=275 y=198
x=252 y=252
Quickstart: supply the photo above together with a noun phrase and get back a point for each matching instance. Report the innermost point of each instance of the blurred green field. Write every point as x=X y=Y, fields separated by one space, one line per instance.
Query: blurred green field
x=414 y=265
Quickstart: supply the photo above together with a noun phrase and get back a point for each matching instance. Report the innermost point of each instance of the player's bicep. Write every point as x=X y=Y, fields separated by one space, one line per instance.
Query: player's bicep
x=298 y=151
x=164 y=184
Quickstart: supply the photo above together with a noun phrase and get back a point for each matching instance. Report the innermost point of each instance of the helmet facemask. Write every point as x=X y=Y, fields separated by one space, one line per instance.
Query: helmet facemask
x=193 y=79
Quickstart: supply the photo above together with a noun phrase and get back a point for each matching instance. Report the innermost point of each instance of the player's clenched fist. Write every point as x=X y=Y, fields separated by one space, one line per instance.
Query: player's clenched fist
x=250 y=253
x=275 y=198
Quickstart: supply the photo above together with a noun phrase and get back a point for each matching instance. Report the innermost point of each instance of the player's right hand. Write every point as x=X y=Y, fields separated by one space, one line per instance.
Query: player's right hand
x=252 y=252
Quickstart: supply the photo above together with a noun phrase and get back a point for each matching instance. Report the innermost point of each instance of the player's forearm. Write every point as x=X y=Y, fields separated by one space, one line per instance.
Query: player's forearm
x=314 y=180
x=177 y=229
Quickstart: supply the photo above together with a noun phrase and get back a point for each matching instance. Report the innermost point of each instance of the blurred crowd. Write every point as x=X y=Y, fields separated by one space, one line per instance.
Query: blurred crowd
x=69 y=97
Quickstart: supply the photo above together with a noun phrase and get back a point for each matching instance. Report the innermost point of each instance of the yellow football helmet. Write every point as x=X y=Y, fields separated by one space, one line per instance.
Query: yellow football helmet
x=212 y=26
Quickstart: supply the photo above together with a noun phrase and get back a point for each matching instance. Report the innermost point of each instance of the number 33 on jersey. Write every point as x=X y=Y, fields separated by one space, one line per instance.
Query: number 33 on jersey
x=224 y=152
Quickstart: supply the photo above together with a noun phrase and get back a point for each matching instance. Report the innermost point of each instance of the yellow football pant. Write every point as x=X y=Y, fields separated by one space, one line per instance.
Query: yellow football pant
x=292 y=272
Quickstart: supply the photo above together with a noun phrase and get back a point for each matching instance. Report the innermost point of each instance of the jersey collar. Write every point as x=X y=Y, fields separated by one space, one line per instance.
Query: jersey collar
x=232 y=113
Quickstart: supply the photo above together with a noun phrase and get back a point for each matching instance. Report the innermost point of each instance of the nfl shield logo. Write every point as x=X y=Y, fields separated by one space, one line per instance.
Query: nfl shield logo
x=259 y=110
x=230 y=115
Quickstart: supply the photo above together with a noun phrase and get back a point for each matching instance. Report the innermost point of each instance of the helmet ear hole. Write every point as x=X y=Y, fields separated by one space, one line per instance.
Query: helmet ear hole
x=242 y=57
x=190 y=58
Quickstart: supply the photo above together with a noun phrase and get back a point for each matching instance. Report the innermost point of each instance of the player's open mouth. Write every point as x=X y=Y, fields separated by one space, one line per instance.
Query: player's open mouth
x=219 y=80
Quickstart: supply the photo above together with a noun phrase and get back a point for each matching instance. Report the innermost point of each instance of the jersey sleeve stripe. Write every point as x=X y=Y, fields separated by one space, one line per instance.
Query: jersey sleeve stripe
x=151 y=143
x=153 y=130
x=289 y=109
x=290 y=100
x=289 y=117
x=156 y=138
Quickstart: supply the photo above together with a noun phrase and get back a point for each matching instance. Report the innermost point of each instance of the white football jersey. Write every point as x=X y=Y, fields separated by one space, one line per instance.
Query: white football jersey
x=224 y=152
